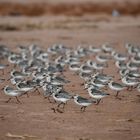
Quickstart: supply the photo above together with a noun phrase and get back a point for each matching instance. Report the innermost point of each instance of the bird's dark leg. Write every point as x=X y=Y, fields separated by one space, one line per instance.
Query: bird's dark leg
x=8 y=100
x=54 y=101
x=58 y=107
x=48 y=97
x=53 y=110
x=117 y=94
x=24 y=94
x=84 y=108
x=98 y=101
x=60 y=104
x=38 y=91
x=60 y=111
x=18 y=100
x=50 y=100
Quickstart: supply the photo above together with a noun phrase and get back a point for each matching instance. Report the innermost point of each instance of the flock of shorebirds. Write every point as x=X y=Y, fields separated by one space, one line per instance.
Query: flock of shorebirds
x=34 y=68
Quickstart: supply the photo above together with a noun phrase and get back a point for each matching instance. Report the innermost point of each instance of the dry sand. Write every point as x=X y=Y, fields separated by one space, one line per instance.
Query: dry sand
x=112 y=120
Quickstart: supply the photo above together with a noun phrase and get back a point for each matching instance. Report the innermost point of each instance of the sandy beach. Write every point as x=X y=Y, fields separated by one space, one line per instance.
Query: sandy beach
x=112 y=119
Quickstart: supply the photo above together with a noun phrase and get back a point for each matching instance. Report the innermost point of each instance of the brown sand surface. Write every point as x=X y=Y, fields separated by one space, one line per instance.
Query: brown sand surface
x=66 y=1
x=77 y=8
x=113 y=119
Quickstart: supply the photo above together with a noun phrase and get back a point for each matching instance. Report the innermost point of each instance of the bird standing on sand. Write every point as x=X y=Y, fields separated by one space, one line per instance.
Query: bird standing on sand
x=83 y=102
x=12 y=93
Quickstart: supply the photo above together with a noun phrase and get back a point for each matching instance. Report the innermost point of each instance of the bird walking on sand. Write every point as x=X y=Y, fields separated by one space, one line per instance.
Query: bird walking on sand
x=83 y=102
x=62 y=97
x=116 y=86
x=97 y=94
x=12 y=93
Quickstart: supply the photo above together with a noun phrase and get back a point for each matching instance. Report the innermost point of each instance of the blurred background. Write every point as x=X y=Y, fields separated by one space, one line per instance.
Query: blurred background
x=59 y=21
x=65 y=7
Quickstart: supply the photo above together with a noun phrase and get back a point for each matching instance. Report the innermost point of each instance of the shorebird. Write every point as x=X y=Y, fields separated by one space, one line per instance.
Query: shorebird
x=51 y=50
x=98 y=82
x=34 y=49
x=132 y=49
x=133 y=66
x=85 y=68
x=107 y=48
x=27 y=70
x=74 y=67
x=72 y=60
x=81 y=52
x=121 y=65
x=61 y=60
x=23 y=63
x=134 y=75
x=136 y=59
x=83 y=102
x=61 y=96
x=119 y=56
x=99 y=66
x=34 y=83
x=116 y=86
x=103 y=58
x=94 y=49
x=39 y=75
x=35 y=63
x=24 y=87
x=15 y=80
x=17 y=74
x=97 y=94
x=90 y=63
x=56 y=80
x=54 y=68
x=43 y=57
x=12 y=93
x=122 y=73
x=85 y=76
x=48 y=90
x=128 y=45
x=130 y=83
x=102 y=77
x=14 y=59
